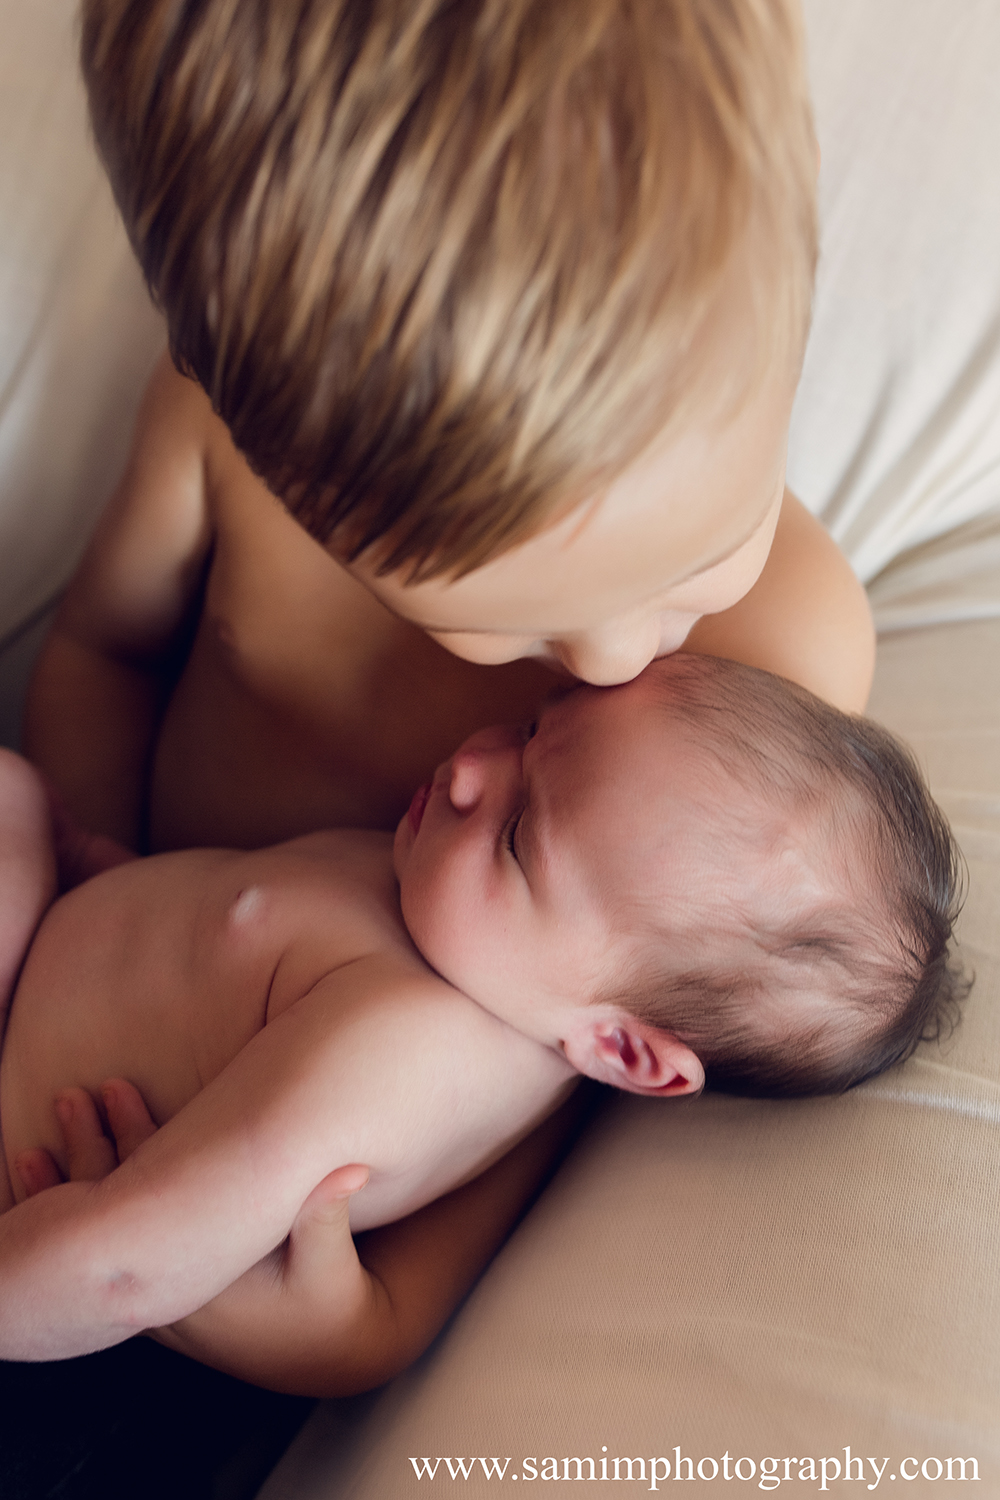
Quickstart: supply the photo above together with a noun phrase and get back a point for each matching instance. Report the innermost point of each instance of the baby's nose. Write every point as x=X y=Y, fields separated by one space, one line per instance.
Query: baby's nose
x=465 y=785
x=487 y=759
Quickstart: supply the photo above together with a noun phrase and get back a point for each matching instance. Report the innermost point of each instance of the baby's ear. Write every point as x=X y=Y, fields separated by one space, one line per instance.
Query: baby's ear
x=630 y=1055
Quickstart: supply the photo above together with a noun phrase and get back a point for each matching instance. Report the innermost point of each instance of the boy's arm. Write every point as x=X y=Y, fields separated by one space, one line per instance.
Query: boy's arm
x=118 y=640
x=806 y=618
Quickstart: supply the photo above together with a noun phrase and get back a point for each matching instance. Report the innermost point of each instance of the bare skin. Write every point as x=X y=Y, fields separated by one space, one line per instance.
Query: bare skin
x=284 y=1029
x=216 y=677
x=222 y=983
x=330 y=1315
x=225 y=944
x=280 y=1024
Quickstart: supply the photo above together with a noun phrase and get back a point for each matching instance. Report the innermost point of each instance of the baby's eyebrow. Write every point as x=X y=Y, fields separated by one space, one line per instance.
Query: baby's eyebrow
x=529 y=849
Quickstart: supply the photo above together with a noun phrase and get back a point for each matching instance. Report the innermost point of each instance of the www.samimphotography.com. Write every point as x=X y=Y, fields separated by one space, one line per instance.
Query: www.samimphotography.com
x=768 y=1473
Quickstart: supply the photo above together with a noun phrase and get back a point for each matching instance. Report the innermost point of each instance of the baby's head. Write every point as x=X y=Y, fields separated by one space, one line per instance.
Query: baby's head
x=454 y=270
x=706 y=874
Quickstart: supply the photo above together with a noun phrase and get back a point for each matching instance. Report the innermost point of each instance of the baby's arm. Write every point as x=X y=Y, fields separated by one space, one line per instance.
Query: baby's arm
x=219 y=1187
x=806 y=618
x=312 y=1318
x=329 y=1321
x=124 y=624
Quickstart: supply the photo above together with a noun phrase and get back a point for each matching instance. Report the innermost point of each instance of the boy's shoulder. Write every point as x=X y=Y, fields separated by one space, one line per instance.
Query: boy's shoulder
x=178 y=431
x=175 y=411
x=178 y=428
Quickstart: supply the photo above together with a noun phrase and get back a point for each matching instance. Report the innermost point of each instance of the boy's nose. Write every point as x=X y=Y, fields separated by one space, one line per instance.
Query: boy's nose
x=615 y=653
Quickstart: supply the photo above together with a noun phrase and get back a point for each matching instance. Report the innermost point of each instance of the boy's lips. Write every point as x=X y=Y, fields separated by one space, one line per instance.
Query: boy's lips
x=418 y=804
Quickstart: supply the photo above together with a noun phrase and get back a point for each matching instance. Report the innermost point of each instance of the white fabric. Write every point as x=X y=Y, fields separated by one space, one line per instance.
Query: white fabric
x=896 y=433
x=77 y=332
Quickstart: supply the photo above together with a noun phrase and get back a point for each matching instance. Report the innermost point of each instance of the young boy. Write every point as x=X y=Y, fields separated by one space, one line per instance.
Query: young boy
x=505 y=301
x=704 y=874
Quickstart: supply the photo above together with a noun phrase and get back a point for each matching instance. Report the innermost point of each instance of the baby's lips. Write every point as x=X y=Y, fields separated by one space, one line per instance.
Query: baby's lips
x=418 y=805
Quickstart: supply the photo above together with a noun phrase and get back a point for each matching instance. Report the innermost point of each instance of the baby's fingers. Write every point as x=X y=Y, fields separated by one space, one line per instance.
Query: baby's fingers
x=89 y=1153
x=37 y=1170
x=128 y=1118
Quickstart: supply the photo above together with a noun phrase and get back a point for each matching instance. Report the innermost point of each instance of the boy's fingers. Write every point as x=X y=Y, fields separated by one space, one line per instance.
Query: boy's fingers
x=79 y=853
x=128 y=1118
x=37 y=1170
x=89 y=1152
x=321 y=1254
x=332 y=1195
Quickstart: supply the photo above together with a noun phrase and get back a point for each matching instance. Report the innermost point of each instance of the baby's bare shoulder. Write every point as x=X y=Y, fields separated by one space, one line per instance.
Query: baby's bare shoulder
x=311 y=907
x=428 y=1088
x=352 y=966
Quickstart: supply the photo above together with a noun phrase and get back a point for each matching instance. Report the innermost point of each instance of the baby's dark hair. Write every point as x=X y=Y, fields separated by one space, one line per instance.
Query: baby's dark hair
x=872 y=972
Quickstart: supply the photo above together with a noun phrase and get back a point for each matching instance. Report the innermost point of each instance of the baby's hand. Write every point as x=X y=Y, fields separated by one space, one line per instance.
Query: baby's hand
x=295 y=1321
x=90 y=1152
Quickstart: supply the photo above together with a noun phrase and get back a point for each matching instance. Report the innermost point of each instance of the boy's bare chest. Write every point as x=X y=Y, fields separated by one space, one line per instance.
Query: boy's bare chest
x=304 y=703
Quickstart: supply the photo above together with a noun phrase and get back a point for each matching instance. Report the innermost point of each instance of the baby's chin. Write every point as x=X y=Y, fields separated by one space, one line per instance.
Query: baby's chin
x=409 y=826
x=402 y=842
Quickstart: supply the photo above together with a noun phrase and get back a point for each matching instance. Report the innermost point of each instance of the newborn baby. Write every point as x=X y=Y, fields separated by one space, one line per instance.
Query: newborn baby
x=705 y=874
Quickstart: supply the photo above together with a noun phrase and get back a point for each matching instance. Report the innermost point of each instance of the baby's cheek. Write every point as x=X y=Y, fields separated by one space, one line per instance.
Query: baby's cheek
x=432 y=919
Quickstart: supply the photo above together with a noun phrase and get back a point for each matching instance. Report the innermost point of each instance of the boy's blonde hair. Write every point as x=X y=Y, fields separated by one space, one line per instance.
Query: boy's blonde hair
x=442 y=265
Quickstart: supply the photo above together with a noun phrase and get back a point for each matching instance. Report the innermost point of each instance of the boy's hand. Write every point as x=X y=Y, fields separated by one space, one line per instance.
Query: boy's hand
x=93 y=1151
x=79 y=853
x=304 y=1320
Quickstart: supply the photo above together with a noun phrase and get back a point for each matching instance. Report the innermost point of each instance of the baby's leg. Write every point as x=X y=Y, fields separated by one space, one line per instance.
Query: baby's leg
x=27 y=865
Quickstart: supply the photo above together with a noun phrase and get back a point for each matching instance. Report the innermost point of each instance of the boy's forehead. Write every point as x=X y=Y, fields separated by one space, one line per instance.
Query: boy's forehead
x=686 y=505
